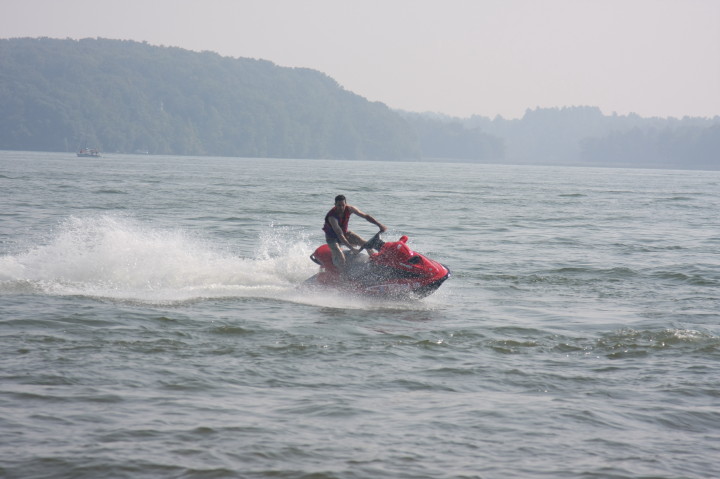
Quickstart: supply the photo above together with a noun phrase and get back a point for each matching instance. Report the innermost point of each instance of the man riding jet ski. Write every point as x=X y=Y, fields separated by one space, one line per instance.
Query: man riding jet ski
x=337 y=232
x=389 y=269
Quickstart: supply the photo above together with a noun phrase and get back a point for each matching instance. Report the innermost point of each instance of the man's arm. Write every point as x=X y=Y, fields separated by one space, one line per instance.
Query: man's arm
x=338 y=231
x=368 y=218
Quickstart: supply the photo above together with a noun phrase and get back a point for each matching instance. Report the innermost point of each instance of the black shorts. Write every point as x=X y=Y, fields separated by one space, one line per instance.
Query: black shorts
x=332 y=238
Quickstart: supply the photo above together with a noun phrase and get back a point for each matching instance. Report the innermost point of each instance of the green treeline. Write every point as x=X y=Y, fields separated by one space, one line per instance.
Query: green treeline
x=125 y=96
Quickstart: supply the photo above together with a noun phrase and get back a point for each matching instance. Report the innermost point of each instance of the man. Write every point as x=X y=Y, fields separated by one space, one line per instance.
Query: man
x=337 y=233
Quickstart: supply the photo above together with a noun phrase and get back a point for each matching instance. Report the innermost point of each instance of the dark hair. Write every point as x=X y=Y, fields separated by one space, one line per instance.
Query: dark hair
x=340 y=198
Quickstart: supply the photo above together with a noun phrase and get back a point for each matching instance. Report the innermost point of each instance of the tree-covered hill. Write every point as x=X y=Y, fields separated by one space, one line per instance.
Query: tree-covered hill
x=124 y=96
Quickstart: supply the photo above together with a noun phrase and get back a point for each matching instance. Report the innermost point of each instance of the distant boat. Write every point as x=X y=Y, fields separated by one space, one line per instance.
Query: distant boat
x=89 y=153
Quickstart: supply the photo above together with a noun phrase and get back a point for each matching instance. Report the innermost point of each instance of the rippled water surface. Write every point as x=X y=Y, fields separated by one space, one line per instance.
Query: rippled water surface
x=151 y=324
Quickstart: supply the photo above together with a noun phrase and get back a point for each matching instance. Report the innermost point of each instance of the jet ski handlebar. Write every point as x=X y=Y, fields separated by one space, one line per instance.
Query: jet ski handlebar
x=375 y=243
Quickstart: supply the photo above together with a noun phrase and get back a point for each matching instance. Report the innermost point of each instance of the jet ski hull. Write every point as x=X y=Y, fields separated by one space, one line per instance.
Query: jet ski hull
x=395 y=271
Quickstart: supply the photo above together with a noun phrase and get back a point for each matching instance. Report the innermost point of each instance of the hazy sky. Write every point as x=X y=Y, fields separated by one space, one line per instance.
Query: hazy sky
x=459 y=57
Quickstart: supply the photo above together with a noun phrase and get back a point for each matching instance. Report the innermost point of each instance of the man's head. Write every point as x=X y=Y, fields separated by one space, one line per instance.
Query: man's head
x=340 y=200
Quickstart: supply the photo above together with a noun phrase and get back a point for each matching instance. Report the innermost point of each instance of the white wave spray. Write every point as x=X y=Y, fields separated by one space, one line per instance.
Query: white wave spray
x=121 y=258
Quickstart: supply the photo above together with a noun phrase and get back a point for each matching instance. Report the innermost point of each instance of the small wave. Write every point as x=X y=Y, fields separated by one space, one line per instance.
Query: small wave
x=631 y=342
x=232 y=331
x=694 y=279
x=638 y=248
x=675 y=198
x=110 y=192
x=573 y=275
x=507 y=346
x=606 y=272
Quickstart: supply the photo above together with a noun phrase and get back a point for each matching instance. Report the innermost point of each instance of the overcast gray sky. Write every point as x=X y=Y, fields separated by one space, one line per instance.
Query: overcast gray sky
x=458 y=57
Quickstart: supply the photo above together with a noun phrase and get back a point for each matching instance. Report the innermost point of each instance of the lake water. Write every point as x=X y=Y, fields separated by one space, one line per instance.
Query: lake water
x=151 y=325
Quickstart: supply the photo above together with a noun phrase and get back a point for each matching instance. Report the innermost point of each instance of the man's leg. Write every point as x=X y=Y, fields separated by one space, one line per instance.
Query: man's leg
x=338 y=257
x=354 y=239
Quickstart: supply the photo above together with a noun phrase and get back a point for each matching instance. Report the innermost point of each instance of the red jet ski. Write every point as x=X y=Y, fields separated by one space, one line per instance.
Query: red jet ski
x=394 y=271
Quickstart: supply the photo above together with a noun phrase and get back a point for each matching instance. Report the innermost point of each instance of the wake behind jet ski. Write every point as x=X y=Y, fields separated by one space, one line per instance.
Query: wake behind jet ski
x=394 y=271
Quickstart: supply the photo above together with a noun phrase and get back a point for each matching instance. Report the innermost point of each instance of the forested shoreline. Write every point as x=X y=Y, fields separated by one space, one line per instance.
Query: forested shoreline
x=125 y=96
